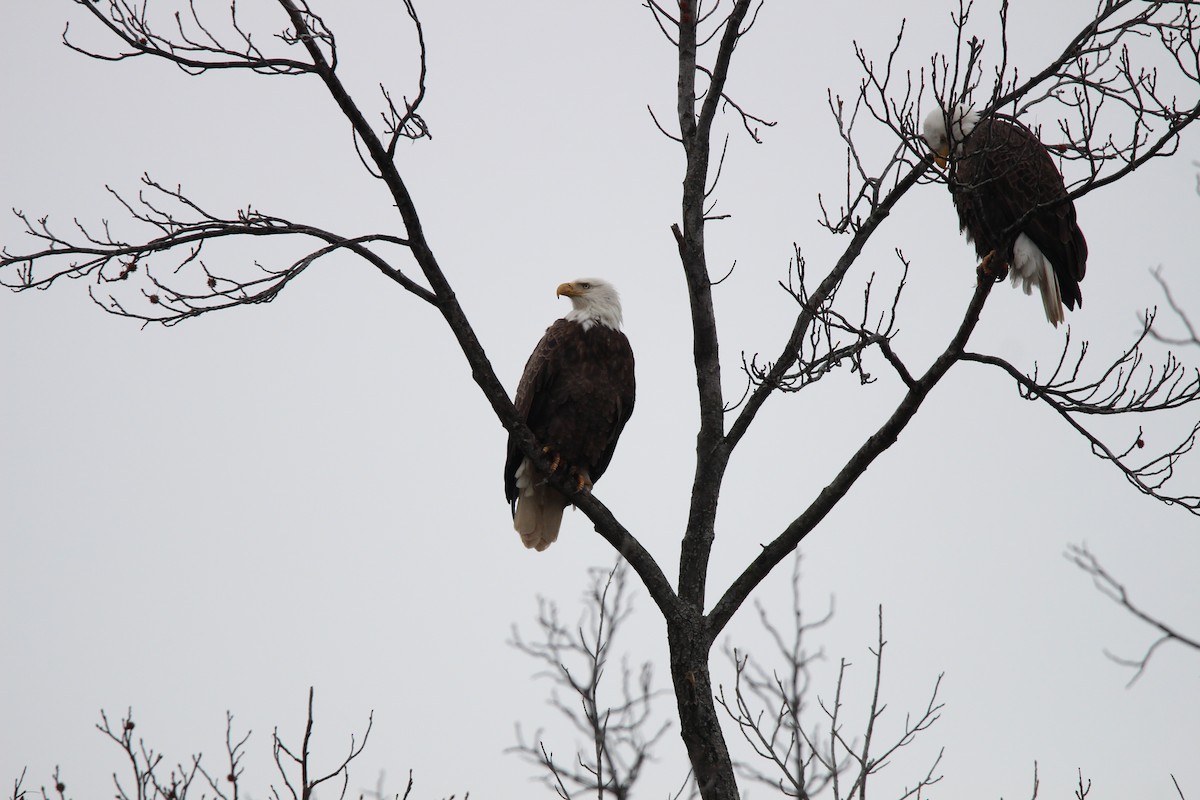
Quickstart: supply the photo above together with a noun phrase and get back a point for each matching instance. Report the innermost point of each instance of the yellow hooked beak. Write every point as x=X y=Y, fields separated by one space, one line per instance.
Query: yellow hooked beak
x=567 y=290
x=940 y=155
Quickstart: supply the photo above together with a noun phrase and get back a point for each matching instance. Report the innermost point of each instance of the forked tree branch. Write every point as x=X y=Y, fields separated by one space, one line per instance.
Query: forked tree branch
x=775 y=551
x=774 y=378
x=190 y=287
x=1110 y=587
x=1115 y=392
x=303 y=787
x=192 y=46
x=1191 y=337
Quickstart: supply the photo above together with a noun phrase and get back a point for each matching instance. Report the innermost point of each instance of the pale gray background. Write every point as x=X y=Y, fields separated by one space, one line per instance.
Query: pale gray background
x=220 y=515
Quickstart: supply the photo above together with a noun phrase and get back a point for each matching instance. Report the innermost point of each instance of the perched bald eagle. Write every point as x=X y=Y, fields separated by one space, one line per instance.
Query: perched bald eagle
x=576 y=395
x=1010 y=201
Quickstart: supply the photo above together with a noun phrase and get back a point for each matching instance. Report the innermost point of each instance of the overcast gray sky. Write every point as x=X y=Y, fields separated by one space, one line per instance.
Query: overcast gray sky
x=219 y=515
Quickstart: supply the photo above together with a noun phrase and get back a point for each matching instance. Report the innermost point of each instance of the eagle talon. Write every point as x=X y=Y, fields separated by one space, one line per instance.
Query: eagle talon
x=556 y=459
x=583 y=484
x=991 y=268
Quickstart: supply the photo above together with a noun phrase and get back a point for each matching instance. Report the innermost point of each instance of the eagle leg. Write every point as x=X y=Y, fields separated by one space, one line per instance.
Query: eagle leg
x=578 y=478
x=992 y=268
x=555 y=457
x=583 y=481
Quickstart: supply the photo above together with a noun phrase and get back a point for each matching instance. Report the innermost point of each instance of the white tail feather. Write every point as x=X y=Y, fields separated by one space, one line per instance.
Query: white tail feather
x=1031 y=268
x=539 y=509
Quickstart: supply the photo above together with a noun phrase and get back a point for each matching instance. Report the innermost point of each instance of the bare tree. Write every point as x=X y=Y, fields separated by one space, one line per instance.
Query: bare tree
x=779 y=687
x=771 y=705
x=769 y=702
x=620 y=737
x=1108 y=86
x=842 y=762
x=150 y=777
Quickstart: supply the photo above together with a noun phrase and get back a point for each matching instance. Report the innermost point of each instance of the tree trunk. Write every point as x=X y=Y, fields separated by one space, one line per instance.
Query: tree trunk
x=698 y=722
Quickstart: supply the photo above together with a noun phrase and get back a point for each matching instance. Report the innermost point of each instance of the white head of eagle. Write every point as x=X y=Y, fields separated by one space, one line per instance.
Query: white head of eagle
x=593 y=301
x=576 y=395
x=935 y=134
x=1012 y=203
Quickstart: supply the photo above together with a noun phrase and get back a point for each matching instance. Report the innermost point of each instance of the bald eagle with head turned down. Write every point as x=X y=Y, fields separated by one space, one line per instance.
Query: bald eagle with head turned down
x=1012 y=203
x=576 y=395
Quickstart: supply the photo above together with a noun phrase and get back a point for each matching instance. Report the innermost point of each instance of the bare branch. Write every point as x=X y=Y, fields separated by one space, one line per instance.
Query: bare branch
x=409 y=124
x=620 y=736
x=804 y=765
x=878 y=443
x=1082 y=557
x=749 y=121
x=1127 y=386
x=188 y=287
x=192 y=45
x=1191 y=337
x=780 y=738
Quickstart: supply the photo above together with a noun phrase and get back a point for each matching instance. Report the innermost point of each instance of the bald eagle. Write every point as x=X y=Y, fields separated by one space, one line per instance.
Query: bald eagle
x=1012 y=203
x=576 y=395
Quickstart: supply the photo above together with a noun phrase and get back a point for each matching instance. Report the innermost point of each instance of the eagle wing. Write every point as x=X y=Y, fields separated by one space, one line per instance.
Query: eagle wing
x=618 y=362
x=533 y=400
x=1007 y=184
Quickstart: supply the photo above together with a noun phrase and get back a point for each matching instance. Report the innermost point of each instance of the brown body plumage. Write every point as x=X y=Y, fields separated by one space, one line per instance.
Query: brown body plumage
x=1005 y=186
x=576 y=394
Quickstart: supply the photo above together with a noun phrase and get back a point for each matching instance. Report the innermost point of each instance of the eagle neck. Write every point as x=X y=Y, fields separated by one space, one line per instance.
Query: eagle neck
x=587 y=317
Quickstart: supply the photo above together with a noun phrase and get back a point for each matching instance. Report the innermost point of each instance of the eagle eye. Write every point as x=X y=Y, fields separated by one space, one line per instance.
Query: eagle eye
x=585 y=286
